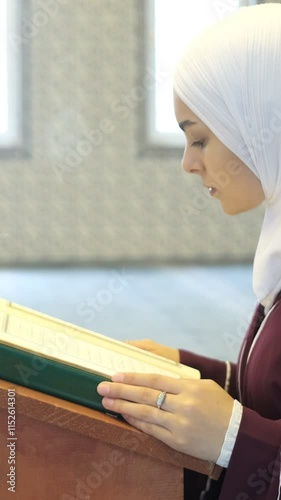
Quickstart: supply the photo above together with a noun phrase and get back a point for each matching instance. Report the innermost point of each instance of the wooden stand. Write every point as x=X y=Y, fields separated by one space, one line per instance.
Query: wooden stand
x=65 y=451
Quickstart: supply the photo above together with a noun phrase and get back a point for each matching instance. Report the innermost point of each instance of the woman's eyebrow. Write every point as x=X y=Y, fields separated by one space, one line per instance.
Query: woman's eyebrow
x=186 y=123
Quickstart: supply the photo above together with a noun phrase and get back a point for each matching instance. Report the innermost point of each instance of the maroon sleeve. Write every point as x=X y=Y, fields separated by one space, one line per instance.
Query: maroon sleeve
x=211 y=369
x=254 y=467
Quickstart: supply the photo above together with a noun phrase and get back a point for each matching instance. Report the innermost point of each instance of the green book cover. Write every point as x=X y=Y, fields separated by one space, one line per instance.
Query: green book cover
x=67 y=361
x=49 y=376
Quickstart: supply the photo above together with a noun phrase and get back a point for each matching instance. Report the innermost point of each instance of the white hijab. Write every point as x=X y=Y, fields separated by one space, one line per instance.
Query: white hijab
x=230 y=77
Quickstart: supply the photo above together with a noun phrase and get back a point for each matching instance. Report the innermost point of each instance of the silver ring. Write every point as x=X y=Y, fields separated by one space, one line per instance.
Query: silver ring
x=161 y=399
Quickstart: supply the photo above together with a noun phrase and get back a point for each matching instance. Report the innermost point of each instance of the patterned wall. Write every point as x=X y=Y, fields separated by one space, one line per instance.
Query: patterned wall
x=89 y=192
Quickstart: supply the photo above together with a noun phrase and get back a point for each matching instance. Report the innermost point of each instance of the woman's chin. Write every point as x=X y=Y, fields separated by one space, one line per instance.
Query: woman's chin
x=235 y=210
x=230 y=210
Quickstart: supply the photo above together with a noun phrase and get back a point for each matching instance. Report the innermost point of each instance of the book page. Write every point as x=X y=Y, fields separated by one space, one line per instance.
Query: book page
x=42 y=340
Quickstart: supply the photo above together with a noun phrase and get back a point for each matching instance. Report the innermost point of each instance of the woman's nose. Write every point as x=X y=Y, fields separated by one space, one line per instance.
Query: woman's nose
x=190 y=162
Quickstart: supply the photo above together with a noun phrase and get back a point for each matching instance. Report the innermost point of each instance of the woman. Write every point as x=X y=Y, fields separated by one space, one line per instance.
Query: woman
x=228 y=103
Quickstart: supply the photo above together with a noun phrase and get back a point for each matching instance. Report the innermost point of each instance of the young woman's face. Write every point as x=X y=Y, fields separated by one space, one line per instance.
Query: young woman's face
x=222 y=172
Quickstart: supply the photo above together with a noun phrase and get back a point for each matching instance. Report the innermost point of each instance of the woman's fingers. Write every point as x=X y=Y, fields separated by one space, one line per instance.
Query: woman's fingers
x=141 y=395
x=153 y=381
x=141 y=344
x=158 y=431
x=155 y=348
x=139 y=412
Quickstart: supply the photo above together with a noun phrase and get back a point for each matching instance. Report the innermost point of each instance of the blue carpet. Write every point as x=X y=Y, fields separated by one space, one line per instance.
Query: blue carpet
x=204 y=309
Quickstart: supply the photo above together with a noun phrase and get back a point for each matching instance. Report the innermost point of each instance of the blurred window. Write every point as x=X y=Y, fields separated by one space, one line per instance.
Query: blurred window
x=10 y=75
x=171 y=24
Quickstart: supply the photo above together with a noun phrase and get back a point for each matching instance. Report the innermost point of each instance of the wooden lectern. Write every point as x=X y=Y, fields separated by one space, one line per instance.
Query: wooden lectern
x=65 y=451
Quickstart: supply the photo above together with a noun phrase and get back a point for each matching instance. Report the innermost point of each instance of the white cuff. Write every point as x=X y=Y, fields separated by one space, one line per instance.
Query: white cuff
x=227 y=376
x=231 y=435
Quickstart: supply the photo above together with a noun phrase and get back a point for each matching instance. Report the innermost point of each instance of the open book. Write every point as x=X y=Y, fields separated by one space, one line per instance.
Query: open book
x=67 y=361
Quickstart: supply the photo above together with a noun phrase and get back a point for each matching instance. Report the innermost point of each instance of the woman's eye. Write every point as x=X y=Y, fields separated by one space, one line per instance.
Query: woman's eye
x=198 y=144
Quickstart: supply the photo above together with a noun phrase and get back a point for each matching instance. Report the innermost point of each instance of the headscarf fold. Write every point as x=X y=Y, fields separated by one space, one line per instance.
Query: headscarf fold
x=230 y=77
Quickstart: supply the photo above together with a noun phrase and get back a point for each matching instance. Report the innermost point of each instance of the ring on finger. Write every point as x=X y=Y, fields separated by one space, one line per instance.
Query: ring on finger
x=161 y=399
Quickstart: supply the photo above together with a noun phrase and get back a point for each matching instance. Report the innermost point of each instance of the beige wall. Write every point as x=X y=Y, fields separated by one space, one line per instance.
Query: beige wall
x=120 y=202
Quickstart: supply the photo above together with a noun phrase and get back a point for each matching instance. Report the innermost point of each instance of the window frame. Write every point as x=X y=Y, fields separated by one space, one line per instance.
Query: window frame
x=153 y=139
x=16 y=142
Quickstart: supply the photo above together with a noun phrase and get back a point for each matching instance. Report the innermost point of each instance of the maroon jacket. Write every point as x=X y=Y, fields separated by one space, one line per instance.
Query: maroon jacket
x=254 y=471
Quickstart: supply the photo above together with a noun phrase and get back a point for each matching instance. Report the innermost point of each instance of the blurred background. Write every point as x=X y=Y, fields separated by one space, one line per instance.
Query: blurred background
x=99 y=224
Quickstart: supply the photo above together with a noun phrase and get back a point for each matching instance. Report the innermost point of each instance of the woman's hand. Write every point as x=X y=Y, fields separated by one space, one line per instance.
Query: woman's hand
x=161 y=350
x=193 y=418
